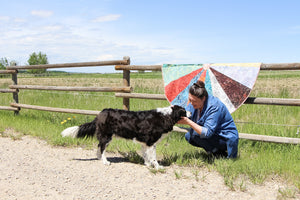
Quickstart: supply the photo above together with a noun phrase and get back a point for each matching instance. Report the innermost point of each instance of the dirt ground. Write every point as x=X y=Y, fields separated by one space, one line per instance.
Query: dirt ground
x=32 y=169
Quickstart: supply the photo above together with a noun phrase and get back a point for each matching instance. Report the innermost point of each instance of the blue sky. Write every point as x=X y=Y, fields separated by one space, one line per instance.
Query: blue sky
x=151 y=32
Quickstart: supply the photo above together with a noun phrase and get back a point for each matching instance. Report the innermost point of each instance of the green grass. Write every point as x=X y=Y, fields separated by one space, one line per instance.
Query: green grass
x=257 y=161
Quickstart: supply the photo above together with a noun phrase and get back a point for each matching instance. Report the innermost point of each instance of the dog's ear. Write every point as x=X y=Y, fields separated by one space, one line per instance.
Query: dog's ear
x=178 y=112
x=175 y=107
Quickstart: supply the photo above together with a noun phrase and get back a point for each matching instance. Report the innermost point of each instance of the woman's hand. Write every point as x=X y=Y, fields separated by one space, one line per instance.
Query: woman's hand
x=184 y=120
x=193 y=125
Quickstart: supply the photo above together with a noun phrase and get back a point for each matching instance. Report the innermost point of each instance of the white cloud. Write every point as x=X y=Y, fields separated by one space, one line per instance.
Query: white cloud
x=19 y=20
x=11 y=19
x=41 y=13
x=52 y=28
x=106 y=18
x=4 y=18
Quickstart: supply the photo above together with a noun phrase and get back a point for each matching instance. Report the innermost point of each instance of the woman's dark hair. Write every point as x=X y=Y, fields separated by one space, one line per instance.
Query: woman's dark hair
x=198 y=90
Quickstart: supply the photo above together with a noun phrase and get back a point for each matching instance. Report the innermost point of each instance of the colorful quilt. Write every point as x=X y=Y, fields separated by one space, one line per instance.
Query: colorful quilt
x=231 y=83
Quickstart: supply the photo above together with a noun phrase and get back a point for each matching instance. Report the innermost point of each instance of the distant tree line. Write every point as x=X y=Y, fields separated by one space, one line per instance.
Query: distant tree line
x=34 y=59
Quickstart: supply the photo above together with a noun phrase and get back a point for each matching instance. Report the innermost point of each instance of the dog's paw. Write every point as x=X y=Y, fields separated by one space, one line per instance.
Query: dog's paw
x=159 y=167
x=147 y=164
x=156 y=166
x=105 y=162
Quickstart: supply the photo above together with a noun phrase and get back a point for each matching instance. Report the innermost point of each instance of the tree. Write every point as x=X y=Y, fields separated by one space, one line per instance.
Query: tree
x=37 y=59
x=3 y=63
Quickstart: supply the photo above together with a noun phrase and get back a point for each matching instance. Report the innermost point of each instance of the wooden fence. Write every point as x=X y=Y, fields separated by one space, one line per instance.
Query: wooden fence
x=14 y=89
x=125 y=91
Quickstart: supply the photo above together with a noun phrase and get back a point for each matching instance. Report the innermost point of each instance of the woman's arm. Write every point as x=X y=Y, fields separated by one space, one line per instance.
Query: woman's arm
x=192 y=124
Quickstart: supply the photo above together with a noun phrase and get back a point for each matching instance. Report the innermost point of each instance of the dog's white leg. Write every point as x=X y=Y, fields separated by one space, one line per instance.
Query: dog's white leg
x=149 y=154
x=145 y=155
x=104 y=160
x=102 y=156
x=152 y=152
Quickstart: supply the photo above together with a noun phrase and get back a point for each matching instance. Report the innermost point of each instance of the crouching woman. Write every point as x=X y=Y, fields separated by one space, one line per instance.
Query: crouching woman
x=212 y=126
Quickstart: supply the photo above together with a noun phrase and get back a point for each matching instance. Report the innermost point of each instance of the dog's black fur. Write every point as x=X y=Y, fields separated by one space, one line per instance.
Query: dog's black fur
x=146 y=127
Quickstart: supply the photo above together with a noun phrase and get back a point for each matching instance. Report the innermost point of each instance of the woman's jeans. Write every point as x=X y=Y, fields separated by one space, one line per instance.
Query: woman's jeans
x=213 y=144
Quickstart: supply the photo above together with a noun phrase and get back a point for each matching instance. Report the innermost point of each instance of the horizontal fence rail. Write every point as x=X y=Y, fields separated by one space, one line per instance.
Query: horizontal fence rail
x=273 y=101
x=125 y=61
x=64 y=88
x=8 y=90
x=8 y=71
x=268 y=138
x=8 y=108
x=52 y=109
x=277 y=66
x=139 y=67
x=141 y=96
x=280 y=66
x=254 y=137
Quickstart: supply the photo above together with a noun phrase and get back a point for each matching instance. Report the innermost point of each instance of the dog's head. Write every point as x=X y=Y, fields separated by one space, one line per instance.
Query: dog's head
x=178 y=112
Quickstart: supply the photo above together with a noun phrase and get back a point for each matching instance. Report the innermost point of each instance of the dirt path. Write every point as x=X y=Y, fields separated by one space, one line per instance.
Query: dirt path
x=32 y=169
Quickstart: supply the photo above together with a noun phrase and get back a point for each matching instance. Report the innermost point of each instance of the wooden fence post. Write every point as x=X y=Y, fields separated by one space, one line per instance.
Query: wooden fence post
x=126 y=83
x=15 y=94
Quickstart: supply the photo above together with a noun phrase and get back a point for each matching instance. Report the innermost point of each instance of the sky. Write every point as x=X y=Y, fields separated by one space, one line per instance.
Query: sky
x=150 y=32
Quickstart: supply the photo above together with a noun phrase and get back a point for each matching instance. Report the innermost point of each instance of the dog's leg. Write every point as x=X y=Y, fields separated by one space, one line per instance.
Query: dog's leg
x=104 y=160
x=99 y=155
x=152 y=155
x=145 y=155
x=149 y=154
x=101 y=150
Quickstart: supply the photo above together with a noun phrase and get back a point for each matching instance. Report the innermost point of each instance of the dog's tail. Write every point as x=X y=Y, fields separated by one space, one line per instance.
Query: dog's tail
x=84 y=130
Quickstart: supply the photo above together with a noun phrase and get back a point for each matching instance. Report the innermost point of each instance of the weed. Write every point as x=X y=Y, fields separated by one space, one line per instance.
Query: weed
x=132 y=156
x=196 y=174
x=178 y=175
x=289 y=192
x=155 y=171
x=243 y=187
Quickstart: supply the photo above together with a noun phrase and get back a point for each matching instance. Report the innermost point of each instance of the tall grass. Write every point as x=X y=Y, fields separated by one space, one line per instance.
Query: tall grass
x=257 y=161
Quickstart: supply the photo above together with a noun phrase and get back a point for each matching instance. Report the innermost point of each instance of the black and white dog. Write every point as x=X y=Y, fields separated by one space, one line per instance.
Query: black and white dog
x=146 y=127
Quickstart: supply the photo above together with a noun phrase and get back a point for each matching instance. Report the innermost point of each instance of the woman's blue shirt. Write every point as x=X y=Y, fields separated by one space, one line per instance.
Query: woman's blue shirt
x=216 y=119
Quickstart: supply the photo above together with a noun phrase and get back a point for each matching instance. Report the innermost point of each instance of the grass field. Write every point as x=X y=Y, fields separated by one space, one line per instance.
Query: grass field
x=257 y=161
